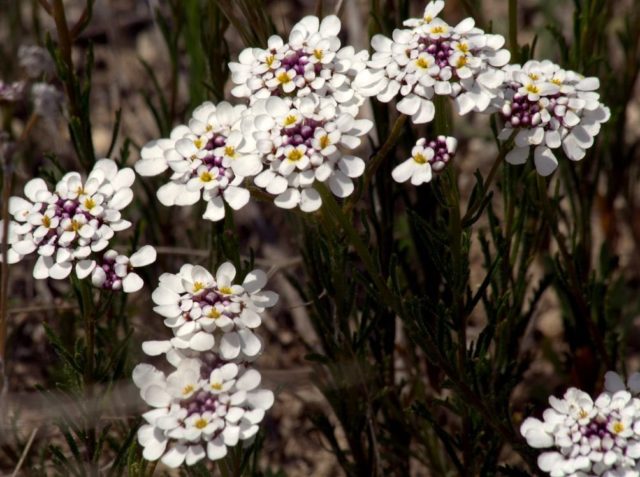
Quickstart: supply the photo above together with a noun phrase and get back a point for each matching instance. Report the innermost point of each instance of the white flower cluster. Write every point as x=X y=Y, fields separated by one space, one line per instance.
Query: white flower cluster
x=212 y=400
x=209 y=159
x=434 y=58
x=311 y=62
x=73 y=223
x=302 y=141
x=549 y=107
x=590 y=438
x=426 y=158
x=199 y=409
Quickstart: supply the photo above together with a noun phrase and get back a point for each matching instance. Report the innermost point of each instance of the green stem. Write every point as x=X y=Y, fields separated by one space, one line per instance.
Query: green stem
x=383 y=152
x=583 y=306
x=89 y=333
x=504 y=150
x=333 y=211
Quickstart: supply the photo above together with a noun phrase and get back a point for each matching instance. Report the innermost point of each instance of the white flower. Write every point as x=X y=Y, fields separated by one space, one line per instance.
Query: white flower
x=208 y=159
x=311 y=62
x=588 y=438
x=304 y=141
x=426 y=158
x=431 y=11
x=47 y=100
x=72 y=222
x=36 y=61
x=549 y=108
x=212 y=313
x=192 y=417
x=115 y=272
x=434 y=58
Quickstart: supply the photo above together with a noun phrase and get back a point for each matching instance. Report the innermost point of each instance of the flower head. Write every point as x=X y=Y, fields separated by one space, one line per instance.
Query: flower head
x=200 y=409
x=548 y=108
x=208 y=313
x=304 y=141
x=208 y=158
x=588 y=438
x=311 y=62
x=434 y=58
x=426 y=158
x=116 y=272
x=72 y=222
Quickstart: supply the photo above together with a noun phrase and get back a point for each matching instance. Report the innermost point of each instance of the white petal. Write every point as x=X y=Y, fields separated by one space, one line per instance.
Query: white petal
x=201 y=341
x=175 y=457
x=545 y=161
x=132 y=283
x=236 y=197
x=143 y=257
x=310 y=200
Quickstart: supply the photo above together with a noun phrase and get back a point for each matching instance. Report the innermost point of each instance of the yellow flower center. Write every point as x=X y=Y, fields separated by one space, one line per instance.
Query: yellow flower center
x=209 y=128
x=269 y=60
x=532 y=88
x=230 y=151
x=463 y=47
x=226 y=290
x=289 y=120
x=438 y=29
x=75 y=226
x=216 y=386
x=188 y=389
x=198 y=143
x=197 y=286
x=556 y=81
x=420 y=159
x=422 y=62
x=46 y=221
x=214 y=313
x=618 y=427
x=462 y=61
x=206 y=176
x=428 y=18
x=319 y=54
x=583 y=414
x=295 y=155
x=201 y=423
x=89 y=203
x=80 y=190
x=324 y=141
x=534 y=76
x=283 y=78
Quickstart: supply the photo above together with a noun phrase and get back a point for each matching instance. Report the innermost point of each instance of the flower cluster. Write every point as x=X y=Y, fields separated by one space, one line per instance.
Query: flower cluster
x=74 y=222
x=208 y=159
x=547 y=107
x=311 y=62
x=434 y=58
x=211 y=400
x=426 y=158
x=199 y=409
x=304 y=141
x=590 y=438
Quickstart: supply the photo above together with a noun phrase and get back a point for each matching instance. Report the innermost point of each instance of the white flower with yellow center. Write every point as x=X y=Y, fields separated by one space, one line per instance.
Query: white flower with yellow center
x=303 y=142
x=310 y=62
x=67 y=225
x=434 y=58
x=209 y=160
x=212 y=313
x=588 y=438
x=431 y=12
x=189 y=420
x=549 y=108
x=427 y=157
